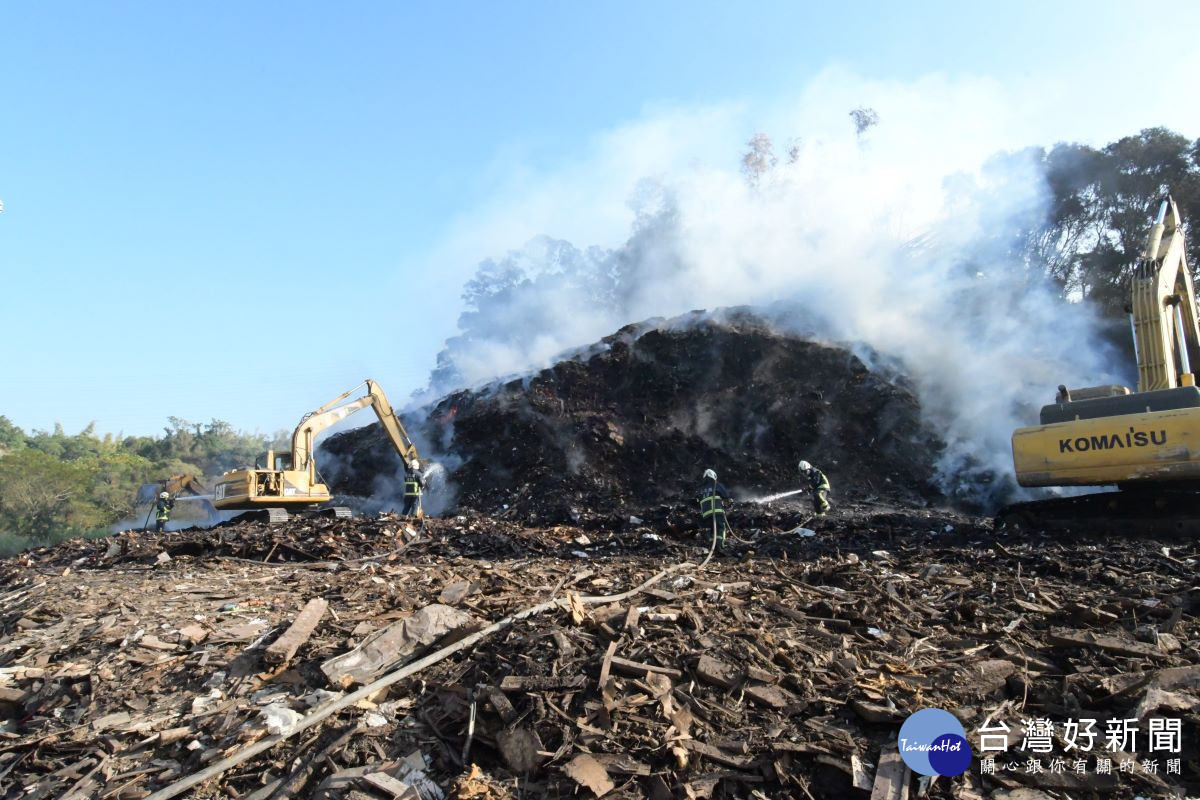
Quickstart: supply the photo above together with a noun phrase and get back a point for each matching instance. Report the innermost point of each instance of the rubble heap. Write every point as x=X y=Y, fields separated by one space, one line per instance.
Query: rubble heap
x=784 y=670
x=630 y=425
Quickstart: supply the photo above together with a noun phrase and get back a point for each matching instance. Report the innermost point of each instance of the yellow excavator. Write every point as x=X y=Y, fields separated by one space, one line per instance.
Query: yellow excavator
x=1145 y=442
x=290 y=480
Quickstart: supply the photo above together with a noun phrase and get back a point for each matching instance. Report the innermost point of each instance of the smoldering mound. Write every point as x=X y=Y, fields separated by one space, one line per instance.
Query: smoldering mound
x=631 y=423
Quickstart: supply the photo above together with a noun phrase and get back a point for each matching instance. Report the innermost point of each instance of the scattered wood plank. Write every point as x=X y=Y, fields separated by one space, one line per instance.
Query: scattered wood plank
x=770 y=695
x=622 y=764
x=631 y=618
x=396 y=789
x=761 y=675
x=892 y=778
x=500 y=704
x=800 y=616
x=194 y=633
x=1102 y=641
x=606 y=663
x=718 y=673
x=154 y=643
x=589 y=773
x=284 y=648
x=717 y=755
x=875 y=713
x=637 y=668
x=541 y=683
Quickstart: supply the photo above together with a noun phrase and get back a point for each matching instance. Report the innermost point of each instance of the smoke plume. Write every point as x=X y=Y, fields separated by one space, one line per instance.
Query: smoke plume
x=874 y=233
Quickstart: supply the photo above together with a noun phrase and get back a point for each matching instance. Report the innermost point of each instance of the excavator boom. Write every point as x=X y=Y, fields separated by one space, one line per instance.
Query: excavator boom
x=1163 y=307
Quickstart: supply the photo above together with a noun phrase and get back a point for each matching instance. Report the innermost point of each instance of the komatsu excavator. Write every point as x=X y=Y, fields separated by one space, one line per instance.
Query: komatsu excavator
x=291 y=481
x=1145 y=442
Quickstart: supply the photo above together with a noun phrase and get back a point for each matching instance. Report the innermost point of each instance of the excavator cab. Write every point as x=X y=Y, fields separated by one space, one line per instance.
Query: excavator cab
x=275 y=461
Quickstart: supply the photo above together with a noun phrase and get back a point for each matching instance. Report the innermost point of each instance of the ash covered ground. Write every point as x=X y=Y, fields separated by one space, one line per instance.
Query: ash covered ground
x=781 y=669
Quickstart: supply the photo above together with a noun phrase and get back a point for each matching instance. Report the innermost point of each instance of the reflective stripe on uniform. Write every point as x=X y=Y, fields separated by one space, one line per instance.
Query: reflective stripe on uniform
x=412 y=489
x=711 y=505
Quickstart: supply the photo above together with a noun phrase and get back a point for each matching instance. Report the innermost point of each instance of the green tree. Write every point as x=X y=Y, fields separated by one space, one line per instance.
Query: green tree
x=11 y=437
x=1102 y=205
x=55 y=484
x=41 y=496
x=115 y=479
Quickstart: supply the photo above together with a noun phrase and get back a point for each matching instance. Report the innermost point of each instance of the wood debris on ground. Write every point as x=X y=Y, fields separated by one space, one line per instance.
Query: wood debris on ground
x=783 y=669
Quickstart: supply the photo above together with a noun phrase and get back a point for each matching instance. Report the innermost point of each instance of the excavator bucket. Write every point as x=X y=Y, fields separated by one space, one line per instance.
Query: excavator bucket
x=147 y=492
x=176 y=485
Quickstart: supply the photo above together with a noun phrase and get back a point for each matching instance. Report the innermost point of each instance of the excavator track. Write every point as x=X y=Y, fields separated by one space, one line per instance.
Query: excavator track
x=274 y=514
x=1167 y=512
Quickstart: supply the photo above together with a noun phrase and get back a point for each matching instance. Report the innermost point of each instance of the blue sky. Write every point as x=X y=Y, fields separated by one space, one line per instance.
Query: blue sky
x=238 y=210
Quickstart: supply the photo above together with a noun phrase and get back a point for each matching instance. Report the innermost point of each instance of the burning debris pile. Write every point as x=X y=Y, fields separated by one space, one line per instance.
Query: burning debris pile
x=783 y=672
x=630 y=425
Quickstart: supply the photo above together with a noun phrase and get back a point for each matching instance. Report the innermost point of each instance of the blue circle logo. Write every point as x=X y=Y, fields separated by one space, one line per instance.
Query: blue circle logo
x=932 y=742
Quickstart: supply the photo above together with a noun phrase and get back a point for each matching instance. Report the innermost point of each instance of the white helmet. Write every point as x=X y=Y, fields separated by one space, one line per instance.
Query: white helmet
x=805 y=466
x=416 y=464
x=710 y=475
x=164 y=496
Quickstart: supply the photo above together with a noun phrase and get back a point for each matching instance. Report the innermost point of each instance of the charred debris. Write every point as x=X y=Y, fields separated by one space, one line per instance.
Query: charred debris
x=559 y=632
x=628 y=426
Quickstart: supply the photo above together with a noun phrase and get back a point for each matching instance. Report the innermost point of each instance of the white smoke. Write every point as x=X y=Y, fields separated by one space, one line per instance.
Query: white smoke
x=905 y=236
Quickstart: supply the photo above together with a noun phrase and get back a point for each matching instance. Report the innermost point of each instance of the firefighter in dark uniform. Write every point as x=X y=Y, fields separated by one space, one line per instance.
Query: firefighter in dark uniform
x=162 y=511
x=818 y=485
x=713 y=496
x=414 y=485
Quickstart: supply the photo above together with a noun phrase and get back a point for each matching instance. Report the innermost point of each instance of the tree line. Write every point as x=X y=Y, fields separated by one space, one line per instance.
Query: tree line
x=54 y=485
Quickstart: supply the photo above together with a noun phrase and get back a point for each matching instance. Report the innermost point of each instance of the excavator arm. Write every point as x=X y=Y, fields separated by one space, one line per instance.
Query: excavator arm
x=1163 y=306
x=305 y=435
x=336 y=410
x=391 y=423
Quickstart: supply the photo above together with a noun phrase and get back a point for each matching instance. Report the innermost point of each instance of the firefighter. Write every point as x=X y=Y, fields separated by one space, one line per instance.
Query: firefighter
x=713 y=496
x=162 y=511
x=414 y=485
x=818 y=485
